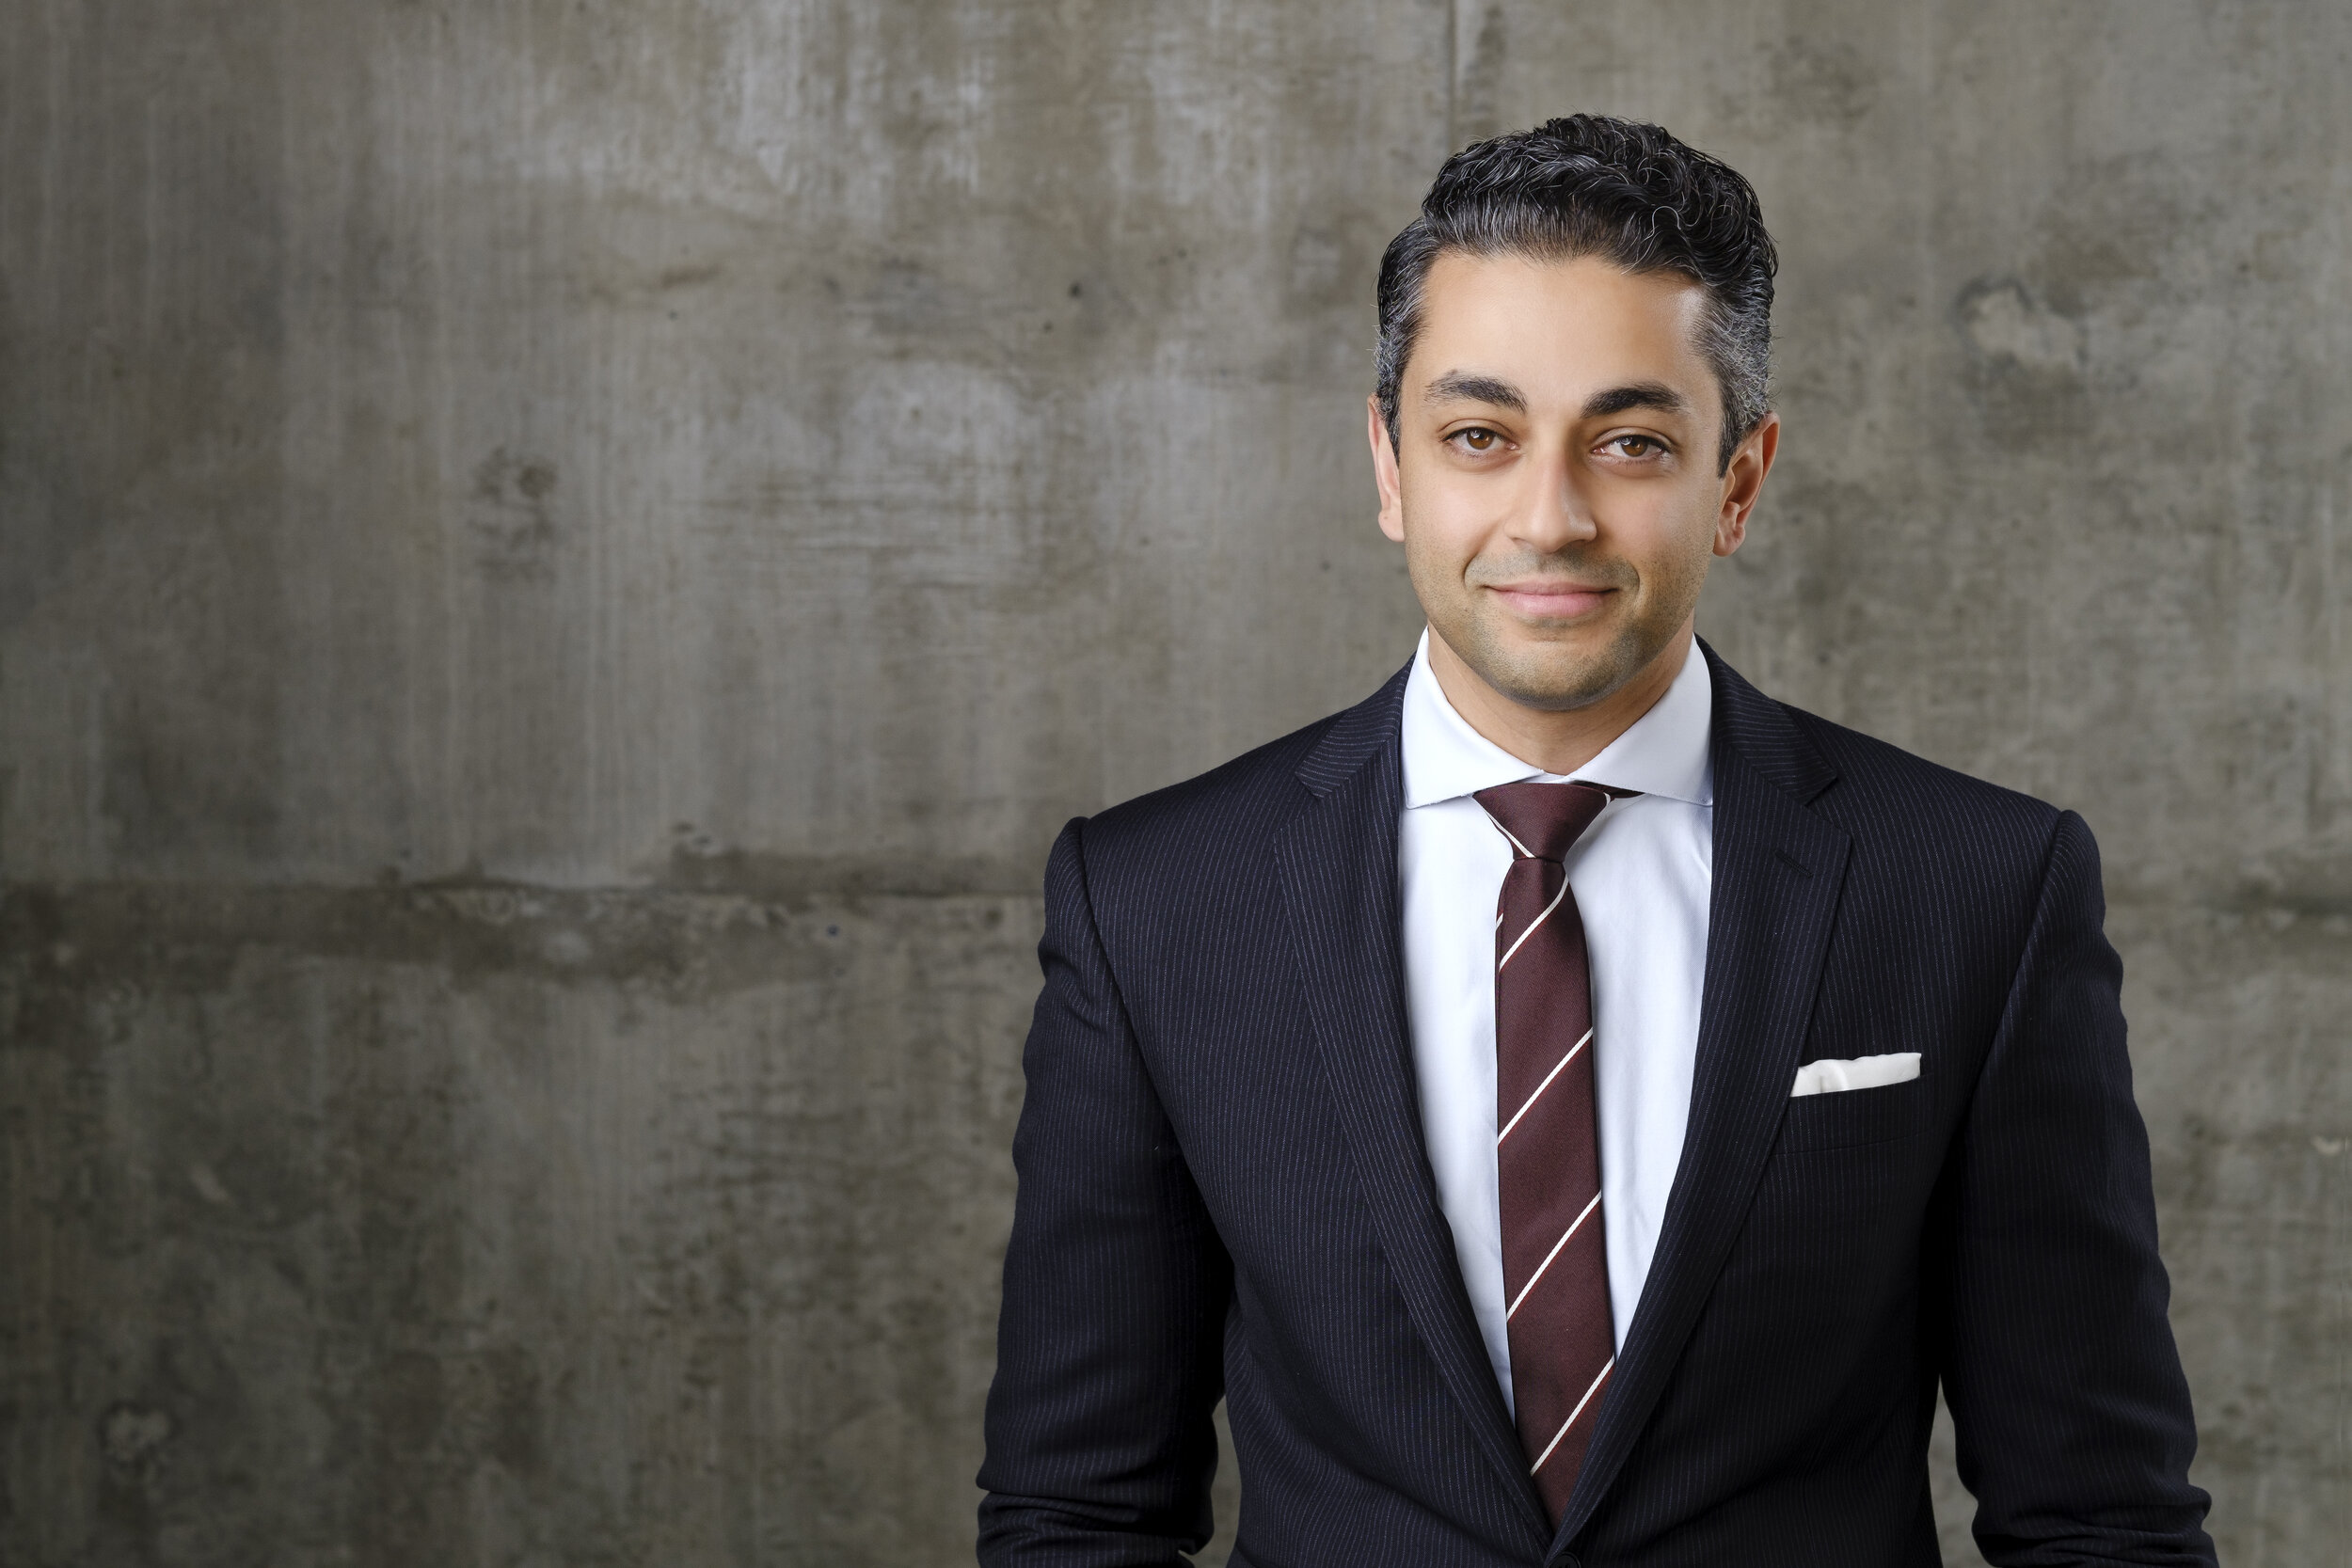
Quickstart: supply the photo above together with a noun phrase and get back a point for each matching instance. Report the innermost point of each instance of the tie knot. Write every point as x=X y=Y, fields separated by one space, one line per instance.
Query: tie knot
x=1543 y=822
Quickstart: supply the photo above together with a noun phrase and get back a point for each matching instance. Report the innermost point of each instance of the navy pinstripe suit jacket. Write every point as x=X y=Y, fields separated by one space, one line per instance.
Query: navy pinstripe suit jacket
x=1224 y=1189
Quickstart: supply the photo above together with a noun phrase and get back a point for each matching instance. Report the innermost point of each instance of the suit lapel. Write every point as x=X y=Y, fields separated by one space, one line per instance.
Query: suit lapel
x=1339 y=876
x=1777 y=874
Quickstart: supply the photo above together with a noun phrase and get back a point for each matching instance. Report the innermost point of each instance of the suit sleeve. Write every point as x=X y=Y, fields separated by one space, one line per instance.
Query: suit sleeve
x=2067 y=1396
x=1109 y=1356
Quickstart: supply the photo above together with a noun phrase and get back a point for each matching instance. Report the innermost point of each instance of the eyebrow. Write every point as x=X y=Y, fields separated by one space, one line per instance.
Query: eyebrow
x=1467 y=386
x=1641 y=394
x=1476 y=389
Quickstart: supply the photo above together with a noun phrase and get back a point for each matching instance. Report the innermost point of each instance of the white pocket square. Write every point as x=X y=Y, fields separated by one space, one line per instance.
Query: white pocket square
x=1863 y=1072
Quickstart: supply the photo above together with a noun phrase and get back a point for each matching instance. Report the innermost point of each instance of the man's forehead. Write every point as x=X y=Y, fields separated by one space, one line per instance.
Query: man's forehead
x=1556 y=328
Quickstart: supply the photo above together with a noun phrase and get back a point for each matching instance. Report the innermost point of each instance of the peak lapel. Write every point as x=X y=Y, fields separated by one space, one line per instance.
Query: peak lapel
x=1778 y=872
x=1337 y=865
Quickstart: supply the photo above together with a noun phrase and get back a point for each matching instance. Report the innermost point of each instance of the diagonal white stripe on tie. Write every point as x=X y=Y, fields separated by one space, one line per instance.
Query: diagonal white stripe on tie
x=1507 y=833
x=1542 y=1086
x=1538 y=921
x=1513 y=1310
x=1572 y=1415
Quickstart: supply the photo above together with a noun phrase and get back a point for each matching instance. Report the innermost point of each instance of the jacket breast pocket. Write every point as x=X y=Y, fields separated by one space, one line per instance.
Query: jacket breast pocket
x=1852 y=1117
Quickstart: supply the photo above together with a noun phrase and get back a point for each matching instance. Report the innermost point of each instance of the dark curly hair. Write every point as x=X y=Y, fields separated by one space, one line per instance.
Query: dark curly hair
x=1596 y=185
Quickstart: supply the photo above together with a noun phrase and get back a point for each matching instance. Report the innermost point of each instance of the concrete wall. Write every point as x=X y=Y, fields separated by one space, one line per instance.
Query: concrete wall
x=564 y=559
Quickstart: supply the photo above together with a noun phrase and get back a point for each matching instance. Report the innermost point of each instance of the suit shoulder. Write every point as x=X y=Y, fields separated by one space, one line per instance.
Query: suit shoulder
x=1886 y=791
x=1879 y=792
x=1231 y=803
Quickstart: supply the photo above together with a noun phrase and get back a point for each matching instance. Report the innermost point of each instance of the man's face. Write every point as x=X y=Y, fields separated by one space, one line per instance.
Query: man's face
x=1554 y=481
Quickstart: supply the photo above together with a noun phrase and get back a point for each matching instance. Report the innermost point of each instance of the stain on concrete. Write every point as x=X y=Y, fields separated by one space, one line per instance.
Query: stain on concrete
x=1826 y=81
x=2007 y=325
x=132 y=1438
x=512 y=517
x=1481 y=40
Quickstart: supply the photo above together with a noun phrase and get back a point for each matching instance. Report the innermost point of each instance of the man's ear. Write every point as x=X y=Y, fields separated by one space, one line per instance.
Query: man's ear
x=1384 y=472
x=1743 y=482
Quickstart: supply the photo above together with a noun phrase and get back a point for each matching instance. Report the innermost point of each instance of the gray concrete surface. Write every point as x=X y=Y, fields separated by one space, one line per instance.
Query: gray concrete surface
x=564 y=559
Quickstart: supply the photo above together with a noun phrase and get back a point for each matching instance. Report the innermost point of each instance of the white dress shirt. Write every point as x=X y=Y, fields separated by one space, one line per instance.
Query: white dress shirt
x=1641 y=875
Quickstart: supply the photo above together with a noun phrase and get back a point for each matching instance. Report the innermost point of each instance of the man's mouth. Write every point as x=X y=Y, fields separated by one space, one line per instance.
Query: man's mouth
x=1550 y=601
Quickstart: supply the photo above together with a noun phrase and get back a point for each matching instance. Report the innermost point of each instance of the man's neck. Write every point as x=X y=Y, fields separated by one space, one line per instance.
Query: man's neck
x=1558 y=741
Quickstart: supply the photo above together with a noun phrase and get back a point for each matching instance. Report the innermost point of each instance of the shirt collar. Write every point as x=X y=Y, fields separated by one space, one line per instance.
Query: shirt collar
x=1662 y=752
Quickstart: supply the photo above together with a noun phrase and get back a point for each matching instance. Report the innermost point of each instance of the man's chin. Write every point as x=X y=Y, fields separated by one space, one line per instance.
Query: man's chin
x=1550 y=697
x=1556 y=675
x=1555 y=685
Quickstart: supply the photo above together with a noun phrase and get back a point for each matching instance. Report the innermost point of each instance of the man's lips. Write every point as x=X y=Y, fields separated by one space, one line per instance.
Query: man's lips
x=1550 y=601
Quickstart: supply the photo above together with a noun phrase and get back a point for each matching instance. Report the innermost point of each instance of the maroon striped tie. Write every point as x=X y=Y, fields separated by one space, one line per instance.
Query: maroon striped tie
x=1555 y=1260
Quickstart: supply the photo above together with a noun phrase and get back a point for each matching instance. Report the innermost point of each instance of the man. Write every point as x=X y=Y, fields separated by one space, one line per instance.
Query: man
x=1572 y=1107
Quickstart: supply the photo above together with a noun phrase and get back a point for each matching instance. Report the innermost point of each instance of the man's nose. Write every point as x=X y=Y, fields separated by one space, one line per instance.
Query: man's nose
x=1554 y=510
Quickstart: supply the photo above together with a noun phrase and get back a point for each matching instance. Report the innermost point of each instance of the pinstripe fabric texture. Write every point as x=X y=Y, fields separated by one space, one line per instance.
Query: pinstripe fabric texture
x=1223 y=1188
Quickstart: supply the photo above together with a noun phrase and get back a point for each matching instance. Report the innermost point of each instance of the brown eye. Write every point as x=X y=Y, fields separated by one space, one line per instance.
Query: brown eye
x=1478 y=440
x=1637 y=446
